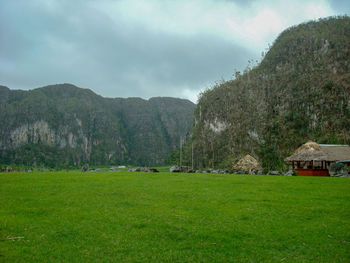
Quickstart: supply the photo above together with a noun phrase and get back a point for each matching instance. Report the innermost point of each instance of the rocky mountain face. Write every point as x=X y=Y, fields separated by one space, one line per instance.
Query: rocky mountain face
x=299 y=91
x=63 y=125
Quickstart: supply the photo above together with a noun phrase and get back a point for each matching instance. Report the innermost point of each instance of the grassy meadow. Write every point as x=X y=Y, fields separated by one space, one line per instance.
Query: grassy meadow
x=163 y=217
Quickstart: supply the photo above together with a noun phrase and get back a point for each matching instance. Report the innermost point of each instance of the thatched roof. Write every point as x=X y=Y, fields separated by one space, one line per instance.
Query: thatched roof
x=312 y=151
x=247 y=163
x=336 y=152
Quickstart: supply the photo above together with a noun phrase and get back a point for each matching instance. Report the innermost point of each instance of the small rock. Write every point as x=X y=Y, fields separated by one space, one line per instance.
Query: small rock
x=174 y=169
x=289 y=173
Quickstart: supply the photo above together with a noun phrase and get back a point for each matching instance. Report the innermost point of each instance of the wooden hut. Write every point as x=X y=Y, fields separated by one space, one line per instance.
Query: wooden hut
x=315 y=159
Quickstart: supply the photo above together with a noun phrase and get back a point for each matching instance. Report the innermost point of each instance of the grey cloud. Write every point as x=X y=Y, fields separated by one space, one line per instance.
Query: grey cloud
x=75 y=43
x=46 y=41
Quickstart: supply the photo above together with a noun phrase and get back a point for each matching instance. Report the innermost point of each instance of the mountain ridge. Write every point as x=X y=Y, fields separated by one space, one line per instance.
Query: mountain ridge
x=78 y=126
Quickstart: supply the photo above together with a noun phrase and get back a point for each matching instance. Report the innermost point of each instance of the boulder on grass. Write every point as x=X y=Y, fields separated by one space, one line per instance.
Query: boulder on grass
x=174 y=169
x=289 y=173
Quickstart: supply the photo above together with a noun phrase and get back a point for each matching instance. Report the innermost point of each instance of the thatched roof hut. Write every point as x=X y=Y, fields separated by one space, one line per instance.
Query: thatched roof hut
x=309 y=151
x=336 y=152
x=316 y=159
x=248 y=163
x=312 y=151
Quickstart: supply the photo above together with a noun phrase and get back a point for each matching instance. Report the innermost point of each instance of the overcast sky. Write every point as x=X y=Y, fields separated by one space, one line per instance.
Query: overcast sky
x=142 y=48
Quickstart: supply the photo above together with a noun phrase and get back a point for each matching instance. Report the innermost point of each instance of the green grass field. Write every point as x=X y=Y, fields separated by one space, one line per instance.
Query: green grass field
x=163 y=217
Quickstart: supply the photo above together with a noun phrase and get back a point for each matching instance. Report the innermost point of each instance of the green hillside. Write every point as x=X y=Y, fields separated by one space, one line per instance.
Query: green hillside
x=299 y=91
x=63 y=125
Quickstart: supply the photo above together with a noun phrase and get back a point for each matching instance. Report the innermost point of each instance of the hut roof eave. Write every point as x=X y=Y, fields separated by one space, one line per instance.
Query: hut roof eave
x=325 y=152
x=307 y=156
x=296 y=159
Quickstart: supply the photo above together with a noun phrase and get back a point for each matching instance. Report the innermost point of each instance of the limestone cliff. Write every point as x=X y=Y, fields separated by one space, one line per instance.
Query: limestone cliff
x=63 y=125
x=299 y=91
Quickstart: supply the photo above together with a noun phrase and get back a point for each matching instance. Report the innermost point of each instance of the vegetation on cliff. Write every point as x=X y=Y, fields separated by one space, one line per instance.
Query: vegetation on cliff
x=299 y=91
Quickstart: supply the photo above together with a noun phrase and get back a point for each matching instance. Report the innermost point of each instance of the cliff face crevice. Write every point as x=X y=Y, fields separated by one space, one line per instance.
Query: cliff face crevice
x=299 y=91
x=78 y=126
